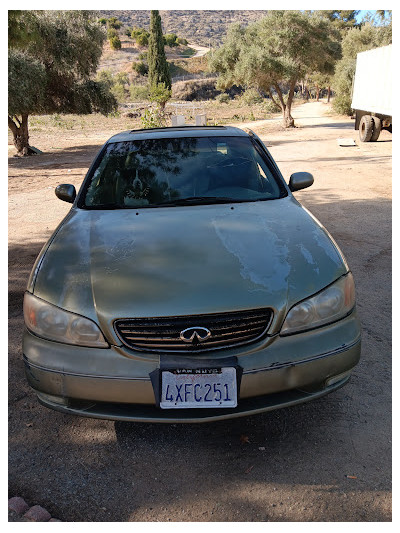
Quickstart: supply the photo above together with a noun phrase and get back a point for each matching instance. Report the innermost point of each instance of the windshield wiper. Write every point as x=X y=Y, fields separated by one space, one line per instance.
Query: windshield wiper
x=199 y=200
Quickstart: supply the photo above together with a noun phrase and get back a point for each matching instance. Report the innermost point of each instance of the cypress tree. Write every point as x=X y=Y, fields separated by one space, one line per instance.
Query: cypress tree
x=158 y=66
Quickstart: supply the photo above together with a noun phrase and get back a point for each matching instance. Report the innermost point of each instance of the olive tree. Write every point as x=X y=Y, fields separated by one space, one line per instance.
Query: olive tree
x=274 y=53
x=53 y=56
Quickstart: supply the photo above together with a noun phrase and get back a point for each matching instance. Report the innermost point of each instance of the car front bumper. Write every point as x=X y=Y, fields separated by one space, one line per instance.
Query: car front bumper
x=114 y=384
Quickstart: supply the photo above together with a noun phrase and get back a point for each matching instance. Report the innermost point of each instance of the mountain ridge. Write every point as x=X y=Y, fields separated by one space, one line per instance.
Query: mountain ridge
x=203 y=27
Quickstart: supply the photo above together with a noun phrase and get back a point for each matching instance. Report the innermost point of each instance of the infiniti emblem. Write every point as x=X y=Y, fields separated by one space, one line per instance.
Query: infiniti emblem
x=195 y=335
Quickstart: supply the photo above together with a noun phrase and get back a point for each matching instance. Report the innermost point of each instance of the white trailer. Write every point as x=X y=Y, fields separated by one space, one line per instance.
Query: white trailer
x=372 y=92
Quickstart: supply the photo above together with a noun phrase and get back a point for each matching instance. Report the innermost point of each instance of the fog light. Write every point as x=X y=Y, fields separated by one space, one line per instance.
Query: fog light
x=48 y=398
x=336 y=379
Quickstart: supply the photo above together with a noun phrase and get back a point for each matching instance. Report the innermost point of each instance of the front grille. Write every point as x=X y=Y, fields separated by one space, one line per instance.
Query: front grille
x=163 y=334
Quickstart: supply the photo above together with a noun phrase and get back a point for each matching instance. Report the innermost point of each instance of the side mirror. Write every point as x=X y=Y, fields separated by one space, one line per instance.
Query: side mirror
x=300 y=180
x=66 y=192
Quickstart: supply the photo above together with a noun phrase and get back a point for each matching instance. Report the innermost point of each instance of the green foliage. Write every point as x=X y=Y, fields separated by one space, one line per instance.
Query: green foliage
x=140 y=67
x=102 y=21
x=181 y=40
x=115 y=43
x=158 y=66
x=342 y=19
x=142 y=39
x=176 y=69
x=139 y=92
x=170 y=39
x=160 y=93
x=356 y=40
x=251 y=97
x=223 y=98
x=111 y=32
x=26 y=84
x=113 y=22
x=153 y=118
x=275 y=52
x=118 y=84
x=187 y=52
x=51 y=71
x=269 y=106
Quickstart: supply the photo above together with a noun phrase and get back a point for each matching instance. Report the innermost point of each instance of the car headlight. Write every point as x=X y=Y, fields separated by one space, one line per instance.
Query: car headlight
x=329 y=305
x=52 y=323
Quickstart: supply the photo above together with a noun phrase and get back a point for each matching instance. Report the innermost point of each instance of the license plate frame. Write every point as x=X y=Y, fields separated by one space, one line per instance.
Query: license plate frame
x=199 y=388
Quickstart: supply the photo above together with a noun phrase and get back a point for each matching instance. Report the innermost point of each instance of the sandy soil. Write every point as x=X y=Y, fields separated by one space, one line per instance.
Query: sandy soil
x=329 y=460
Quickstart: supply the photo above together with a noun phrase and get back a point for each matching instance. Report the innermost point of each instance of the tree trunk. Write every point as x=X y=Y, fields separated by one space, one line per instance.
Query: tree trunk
x=317 y=93
x=288 y=120
x=20 y=135
x=329 y=94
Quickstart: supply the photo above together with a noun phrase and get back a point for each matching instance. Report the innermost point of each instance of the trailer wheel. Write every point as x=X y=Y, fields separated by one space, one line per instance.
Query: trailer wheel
x=377 y=128
x=366 y=128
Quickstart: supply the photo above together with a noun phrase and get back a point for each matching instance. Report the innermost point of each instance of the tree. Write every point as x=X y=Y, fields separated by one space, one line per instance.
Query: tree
x=356 y=40
x=52 y=58
x=276 y=52
x=342 y=19
x=158 y=66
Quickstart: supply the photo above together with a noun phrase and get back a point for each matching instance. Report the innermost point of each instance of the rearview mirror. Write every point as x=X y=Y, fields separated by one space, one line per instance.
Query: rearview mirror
x=300 y=180
x=66 y=193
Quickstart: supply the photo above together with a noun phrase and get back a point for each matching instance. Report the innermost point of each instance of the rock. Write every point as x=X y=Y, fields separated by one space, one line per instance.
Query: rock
x=37 y=514
x=18 y=505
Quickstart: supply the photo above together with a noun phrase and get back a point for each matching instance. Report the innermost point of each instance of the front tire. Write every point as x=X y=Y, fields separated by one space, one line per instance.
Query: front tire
x=366 y=128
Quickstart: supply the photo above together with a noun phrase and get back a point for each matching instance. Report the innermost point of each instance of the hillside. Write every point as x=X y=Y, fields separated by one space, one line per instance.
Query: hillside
x=202 y=27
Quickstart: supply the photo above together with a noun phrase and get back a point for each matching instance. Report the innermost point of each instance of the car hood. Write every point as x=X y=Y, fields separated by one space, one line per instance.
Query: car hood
x=186 y=260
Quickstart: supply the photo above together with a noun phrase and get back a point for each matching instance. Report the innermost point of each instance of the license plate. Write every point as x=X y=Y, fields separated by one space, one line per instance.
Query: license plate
x=205 y=387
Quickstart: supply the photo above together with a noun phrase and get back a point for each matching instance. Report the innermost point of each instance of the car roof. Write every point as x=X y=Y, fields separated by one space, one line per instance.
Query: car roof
x=180 y=131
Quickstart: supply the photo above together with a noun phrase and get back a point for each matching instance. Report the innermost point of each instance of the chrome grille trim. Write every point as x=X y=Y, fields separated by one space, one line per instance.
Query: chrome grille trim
x=162 y=333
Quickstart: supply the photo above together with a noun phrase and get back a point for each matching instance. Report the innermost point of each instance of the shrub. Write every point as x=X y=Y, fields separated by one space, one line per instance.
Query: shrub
x=113 y=22
x=181 y=40
x=143 y=38
x=251 y=97
x=140 y=67
x=115 y=43
x=195 y=89
x=111 y=32
x=170 y=39
x=270 y=107
x=153 y=118
x=160 y=94
x=223 y=98
x=139 y=92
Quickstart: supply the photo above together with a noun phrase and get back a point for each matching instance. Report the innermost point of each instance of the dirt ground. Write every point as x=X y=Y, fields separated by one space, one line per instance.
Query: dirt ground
x=327 y=460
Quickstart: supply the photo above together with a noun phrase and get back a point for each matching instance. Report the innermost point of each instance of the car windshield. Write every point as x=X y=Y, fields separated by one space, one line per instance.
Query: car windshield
x=179 y=171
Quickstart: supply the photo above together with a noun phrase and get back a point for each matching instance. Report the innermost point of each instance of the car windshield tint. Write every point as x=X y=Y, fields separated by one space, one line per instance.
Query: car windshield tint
x=179 y=171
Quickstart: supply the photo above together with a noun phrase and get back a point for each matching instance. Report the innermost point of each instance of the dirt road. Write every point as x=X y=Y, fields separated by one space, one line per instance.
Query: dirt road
x=328 y=460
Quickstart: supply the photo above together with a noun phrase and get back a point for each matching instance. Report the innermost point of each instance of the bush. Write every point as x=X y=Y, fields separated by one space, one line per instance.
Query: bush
x=140 y=67
x=170 y=39
x=139 y=92
x=270 y=107
x=160 y=94
x=181 y=40
x=223 y=98
x=142 y=39
x=111 y=32
x=195 y=90
x=153 y=118
x=115 y=43
x=251 y=97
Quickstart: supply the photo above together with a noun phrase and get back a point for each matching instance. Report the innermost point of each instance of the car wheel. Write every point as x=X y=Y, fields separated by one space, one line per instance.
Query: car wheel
x=377 y=128
x=366 y=128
